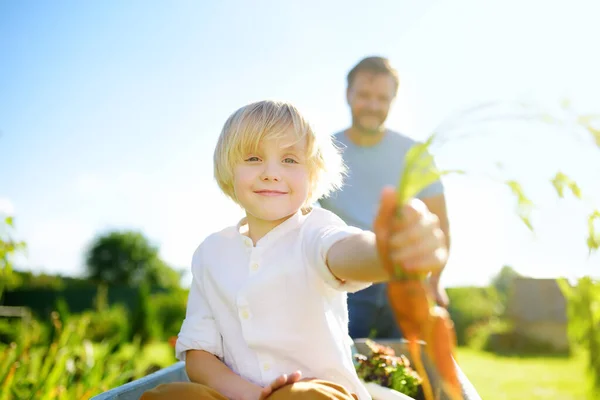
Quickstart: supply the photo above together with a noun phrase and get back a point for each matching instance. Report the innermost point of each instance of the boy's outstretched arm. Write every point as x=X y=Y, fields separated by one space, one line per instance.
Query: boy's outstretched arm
x=413 y=240
x=355 y=258
x=204 y=368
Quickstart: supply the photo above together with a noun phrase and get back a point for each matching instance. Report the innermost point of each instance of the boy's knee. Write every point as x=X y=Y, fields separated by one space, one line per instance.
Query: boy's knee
x=313 y=390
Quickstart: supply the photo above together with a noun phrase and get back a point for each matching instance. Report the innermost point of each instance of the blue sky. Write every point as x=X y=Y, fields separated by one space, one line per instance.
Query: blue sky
x=109 y=112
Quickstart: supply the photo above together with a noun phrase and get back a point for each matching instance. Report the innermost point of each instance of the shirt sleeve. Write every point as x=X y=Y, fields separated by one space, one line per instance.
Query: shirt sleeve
x=318 y=240
x=199 y=329
x=436 y=188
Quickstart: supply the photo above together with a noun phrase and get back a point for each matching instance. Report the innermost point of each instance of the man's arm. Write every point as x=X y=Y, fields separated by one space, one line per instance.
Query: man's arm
x=437 y=205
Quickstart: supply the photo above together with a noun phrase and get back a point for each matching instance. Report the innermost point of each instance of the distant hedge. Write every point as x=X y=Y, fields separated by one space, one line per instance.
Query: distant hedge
x=42 y=301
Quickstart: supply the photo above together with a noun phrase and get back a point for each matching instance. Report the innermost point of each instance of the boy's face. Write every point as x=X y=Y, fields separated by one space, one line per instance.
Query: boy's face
x=273 y=183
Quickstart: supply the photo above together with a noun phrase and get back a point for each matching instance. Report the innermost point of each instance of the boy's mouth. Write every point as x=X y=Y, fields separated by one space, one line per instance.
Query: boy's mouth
x=270 y=193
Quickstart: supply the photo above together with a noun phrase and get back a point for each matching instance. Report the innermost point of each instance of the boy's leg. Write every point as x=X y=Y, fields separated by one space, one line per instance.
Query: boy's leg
x=315 y=389
x=182 y=391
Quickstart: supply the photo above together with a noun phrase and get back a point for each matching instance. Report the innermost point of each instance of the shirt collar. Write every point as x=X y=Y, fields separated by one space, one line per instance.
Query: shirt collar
x=280 y=230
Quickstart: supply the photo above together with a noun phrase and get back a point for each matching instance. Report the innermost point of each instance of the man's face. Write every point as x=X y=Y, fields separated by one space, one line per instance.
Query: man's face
x=370 y=97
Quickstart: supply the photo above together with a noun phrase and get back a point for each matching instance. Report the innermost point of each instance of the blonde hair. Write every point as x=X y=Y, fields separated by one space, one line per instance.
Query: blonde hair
x=265 y=120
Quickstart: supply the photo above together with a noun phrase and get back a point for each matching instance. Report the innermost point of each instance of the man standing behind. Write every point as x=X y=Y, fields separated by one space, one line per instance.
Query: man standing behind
x=375 y=158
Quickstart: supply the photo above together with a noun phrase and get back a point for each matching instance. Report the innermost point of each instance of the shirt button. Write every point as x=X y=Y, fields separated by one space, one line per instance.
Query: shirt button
x=248 y=242
x=254 y=267
x=245 y=314
x=266 y=366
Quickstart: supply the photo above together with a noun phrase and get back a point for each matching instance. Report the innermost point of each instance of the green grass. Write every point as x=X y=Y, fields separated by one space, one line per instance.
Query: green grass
x=498 y=378
x=154 y=356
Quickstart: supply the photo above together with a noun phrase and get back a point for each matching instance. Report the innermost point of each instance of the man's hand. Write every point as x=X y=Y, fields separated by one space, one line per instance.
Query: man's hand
x=279 y=383
x=409 y=236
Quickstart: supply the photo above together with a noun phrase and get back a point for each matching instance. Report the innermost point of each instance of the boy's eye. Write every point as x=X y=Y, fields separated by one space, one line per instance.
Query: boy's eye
x=252 y=159
x=289 y=161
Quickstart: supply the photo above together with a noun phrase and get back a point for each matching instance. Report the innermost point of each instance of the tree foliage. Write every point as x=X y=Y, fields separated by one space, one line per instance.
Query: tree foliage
x=128 y=258
x=503 y=281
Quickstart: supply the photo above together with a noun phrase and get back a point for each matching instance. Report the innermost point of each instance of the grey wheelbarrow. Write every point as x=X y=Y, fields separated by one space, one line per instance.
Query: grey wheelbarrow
x=176 y=373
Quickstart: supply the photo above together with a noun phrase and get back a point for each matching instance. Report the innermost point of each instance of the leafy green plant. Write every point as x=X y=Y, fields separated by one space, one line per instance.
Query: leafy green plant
x=583 y=311
x=70 y=367
x=383 y=367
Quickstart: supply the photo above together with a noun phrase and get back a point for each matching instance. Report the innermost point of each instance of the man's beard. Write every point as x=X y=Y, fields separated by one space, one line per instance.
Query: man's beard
x=368 y=130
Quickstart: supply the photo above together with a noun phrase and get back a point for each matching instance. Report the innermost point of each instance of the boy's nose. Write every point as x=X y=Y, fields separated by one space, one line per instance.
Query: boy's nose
x=267 y=177
x=271 y=172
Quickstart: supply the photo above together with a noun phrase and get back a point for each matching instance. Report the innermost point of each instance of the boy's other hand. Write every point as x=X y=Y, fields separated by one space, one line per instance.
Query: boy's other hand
x=279 y=383
x=409 y=237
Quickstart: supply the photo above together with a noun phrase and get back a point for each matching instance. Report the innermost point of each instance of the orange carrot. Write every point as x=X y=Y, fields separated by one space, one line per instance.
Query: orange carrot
x=409 y=299
x=442 y=341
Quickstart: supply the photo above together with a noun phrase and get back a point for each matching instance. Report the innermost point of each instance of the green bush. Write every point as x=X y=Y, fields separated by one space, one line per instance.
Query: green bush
x=143 y=321
x=512 y=342
x=478 y=335
x=111 y=324
x=499 y=336
x=79 y=296
x=470 y=306
x=169 y=312
x=10 y=330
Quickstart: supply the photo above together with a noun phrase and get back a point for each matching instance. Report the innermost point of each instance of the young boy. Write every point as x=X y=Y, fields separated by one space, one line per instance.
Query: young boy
x=267 y=314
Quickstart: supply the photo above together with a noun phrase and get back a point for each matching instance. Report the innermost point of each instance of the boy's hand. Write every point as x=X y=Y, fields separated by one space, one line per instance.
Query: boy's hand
x=279 y=383
x=409 y=237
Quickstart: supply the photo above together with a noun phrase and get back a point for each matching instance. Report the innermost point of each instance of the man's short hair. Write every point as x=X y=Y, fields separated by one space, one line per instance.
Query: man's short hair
x=375 y=65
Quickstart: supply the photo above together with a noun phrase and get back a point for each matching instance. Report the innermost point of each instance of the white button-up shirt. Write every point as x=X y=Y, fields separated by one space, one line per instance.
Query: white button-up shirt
x=273 y=308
